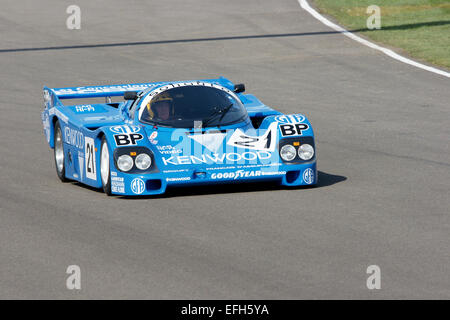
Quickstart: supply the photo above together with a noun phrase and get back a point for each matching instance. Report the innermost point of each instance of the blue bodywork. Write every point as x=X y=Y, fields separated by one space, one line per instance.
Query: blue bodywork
x=180 y=156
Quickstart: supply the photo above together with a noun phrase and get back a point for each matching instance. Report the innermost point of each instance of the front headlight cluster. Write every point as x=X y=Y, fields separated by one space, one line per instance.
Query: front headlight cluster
x=305 y=152
x=142 y=161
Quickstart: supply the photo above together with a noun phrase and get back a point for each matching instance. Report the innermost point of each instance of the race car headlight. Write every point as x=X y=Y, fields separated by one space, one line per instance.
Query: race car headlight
x=143 y=161
x=125 y=163
x=287 y=152
x=305 y=151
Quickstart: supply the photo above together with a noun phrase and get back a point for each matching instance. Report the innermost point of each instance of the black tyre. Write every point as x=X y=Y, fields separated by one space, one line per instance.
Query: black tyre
x=58 y=152
x=105 y=170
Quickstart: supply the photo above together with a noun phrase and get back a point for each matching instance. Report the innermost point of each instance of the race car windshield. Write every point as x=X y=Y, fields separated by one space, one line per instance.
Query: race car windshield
x=182 y=106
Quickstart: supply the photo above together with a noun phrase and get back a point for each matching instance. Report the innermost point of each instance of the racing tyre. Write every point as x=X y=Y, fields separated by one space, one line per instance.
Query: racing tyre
x=58 y=152
x=105 y=171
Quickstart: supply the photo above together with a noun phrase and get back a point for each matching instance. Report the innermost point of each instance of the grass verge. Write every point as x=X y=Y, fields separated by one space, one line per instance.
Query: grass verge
x=419 y=27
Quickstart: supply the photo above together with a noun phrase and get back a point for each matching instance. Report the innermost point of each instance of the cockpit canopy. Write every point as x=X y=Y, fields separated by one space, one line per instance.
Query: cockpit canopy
x=187 y=105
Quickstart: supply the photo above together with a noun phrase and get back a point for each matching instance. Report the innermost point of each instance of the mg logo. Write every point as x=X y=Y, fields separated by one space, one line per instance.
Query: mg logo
x=137 y=186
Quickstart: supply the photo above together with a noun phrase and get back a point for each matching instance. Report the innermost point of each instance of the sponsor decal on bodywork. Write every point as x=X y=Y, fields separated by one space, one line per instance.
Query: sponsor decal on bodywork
x=308 y=176
x=127 y=139
x=74 y=137
x=289 y=119
x=175 y=171
x=126 y=135
x=295 y=129
x=104 y=89
x=137 y=186
x=153 y=135
x=292 y=125
x=215 y=158
x=117 y=183
x=245 y=174
x=84 y=108
x=168 y=149
x=125 y=129
x=178 y=179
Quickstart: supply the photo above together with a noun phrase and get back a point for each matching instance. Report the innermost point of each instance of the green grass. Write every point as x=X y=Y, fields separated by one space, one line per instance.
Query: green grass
x=419 y=27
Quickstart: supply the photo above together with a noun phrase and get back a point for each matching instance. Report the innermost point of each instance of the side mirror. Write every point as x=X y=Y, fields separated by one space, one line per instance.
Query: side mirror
x=130 y=95
x=238 y=88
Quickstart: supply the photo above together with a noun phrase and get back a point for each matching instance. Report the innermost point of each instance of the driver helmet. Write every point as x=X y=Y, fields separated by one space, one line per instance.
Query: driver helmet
x=162 y=97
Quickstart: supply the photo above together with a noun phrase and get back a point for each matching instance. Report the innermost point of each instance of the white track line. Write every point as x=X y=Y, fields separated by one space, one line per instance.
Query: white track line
x=305 y=5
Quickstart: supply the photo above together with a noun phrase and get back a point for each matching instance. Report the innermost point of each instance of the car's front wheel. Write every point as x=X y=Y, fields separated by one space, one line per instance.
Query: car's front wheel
x=105 y=171
x=58 y=153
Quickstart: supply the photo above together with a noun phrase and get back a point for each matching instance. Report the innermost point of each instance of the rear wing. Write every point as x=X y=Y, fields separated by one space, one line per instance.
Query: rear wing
x=119 y=89
x=100 y=91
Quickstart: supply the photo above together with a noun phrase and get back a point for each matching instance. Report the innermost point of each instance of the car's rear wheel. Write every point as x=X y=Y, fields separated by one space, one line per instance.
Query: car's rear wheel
x=58 y=152
x=105 y=171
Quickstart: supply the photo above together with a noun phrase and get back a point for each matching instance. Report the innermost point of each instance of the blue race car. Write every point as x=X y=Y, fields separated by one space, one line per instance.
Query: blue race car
x=175 y=133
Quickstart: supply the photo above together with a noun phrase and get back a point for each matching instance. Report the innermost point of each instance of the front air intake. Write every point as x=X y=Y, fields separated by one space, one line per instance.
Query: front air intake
x=153 y=184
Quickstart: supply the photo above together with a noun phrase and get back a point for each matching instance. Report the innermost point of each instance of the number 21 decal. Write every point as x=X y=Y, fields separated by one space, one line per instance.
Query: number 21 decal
x=265 y=142
x=89 y=151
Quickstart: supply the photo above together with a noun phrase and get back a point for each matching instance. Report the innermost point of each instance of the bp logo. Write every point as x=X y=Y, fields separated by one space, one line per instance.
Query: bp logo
x=137 y=186
x=308 y=176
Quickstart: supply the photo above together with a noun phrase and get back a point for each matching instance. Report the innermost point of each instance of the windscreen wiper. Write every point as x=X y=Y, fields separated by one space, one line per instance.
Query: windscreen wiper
x=217 y=111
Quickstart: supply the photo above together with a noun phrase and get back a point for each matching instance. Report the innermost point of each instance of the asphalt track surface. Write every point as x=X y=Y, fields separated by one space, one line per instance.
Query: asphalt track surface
x=382 y=131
